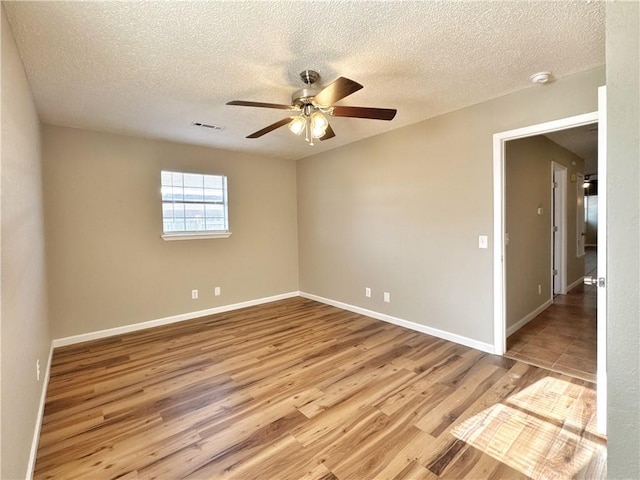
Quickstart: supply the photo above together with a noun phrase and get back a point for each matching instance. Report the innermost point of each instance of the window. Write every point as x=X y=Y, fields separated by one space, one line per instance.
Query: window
x=194 y=206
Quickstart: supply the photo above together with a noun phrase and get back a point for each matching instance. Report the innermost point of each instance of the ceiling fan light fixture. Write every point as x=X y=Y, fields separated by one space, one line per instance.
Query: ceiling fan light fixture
x=298 y=124
x=319 y=125
x=311 y=104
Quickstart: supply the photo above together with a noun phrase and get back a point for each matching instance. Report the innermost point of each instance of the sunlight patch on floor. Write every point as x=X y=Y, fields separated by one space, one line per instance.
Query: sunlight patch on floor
x=546 y=431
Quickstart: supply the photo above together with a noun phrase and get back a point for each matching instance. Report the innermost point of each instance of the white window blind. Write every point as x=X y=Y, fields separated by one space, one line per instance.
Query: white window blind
x=193 y=203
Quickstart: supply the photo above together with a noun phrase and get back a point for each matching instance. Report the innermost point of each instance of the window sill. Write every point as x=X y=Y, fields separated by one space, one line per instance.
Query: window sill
x=194 y=236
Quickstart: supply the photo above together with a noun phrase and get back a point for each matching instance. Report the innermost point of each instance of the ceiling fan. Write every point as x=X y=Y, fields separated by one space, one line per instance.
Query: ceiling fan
x=311 y=104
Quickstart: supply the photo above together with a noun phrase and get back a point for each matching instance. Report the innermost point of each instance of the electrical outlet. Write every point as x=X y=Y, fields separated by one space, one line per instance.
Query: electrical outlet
x=216 y=291
x=367 y=292
x=38 y=369
x=387 y=297
x=194 y=294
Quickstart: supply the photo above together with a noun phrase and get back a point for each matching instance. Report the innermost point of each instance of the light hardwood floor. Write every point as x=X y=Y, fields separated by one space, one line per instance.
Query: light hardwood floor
x=300 y=390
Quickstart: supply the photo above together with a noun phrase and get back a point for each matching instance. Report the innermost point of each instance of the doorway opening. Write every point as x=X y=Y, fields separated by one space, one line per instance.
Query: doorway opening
x=550 y=313
x=502 y=239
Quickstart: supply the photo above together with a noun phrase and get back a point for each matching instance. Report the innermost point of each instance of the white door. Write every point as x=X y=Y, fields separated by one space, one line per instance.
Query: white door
x=602 y=260
x=559 y=228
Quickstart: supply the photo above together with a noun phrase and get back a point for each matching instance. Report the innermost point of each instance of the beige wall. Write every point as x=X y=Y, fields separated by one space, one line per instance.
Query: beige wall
x=623 y=228
x=529 y=253
x=24 y=324
x=108 y=266
x=401 y=212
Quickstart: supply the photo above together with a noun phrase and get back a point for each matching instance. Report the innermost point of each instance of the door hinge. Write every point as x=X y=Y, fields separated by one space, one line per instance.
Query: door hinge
x=555 y=272
x=554 y=184
x=555 y=229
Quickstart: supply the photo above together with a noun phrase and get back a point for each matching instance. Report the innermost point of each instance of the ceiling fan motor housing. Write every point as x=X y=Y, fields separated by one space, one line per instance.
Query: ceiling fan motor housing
x=309 y=77
x=304 y=96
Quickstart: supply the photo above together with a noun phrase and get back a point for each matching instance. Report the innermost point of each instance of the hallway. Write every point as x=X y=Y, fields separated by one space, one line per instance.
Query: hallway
x=563 y=338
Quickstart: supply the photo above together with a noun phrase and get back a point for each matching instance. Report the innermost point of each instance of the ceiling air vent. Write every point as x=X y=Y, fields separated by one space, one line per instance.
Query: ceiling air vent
x=207 y=125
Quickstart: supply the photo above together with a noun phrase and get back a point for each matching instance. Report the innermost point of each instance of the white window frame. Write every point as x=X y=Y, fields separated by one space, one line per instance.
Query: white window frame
x=197 y=234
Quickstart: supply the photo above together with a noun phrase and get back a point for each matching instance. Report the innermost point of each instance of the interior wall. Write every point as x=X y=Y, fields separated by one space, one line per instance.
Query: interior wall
x=23 y=318
x=529 y=251
x=623 y=228
x=401 y=212
x=108 y=265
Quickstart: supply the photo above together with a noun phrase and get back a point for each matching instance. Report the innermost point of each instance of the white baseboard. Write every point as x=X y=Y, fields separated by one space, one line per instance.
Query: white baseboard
x=575 y=284
x=468 y=342
x=85 y=337
x=523 y=321
x=36 y=433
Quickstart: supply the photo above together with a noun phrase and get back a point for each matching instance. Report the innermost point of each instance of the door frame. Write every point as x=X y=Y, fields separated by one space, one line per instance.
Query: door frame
x=559 y=220
x=499 y=154
x=499 y=274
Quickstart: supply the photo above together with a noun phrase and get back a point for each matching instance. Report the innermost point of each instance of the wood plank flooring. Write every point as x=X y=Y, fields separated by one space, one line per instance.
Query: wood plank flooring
x=300 y=390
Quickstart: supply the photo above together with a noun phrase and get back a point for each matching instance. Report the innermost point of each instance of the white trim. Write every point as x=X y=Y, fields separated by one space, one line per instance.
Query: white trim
x=575 y=284
x=526 y=319
x=194 y=236
x=452 y=337
x=499 y=293
x=499 y=141
x=85 y=337
x=559 y=248
x=601 y=365
x=36 y=432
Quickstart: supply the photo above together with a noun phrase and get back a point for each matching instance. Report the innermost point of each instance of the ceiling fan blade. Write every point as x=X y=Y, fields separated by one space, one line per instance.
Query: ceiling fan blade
x=243 y=103
x=270 y=128
x=336 y=91
x=364 y=112
x=329 y=133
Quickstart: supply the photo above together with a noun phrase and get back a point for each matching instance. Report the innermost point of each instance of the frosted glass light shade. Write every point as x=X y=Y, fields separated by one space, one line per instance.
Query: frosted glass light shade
x=319 y=125
x=297 y=124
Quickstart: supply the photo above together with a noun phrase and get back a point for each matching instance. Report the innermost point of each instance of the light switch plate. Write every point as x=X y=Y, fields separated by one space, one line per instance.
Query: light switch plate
x=483 y=241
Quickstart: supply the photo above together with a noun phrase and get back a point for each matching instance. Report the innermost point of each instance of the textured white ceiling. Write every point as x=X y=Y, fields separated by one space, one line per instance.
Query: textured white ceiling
x=151 y=68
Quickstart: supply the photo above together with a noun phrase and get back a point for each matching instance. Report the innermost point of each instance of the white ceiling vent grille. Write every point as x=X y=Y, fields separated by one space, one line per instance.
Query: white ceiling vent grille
x=207 y=125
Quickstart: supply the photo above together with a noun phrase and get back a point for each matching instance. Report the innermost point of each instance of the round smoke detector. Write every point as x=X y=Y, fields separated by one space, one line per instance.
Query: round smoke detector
x=541 y=77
